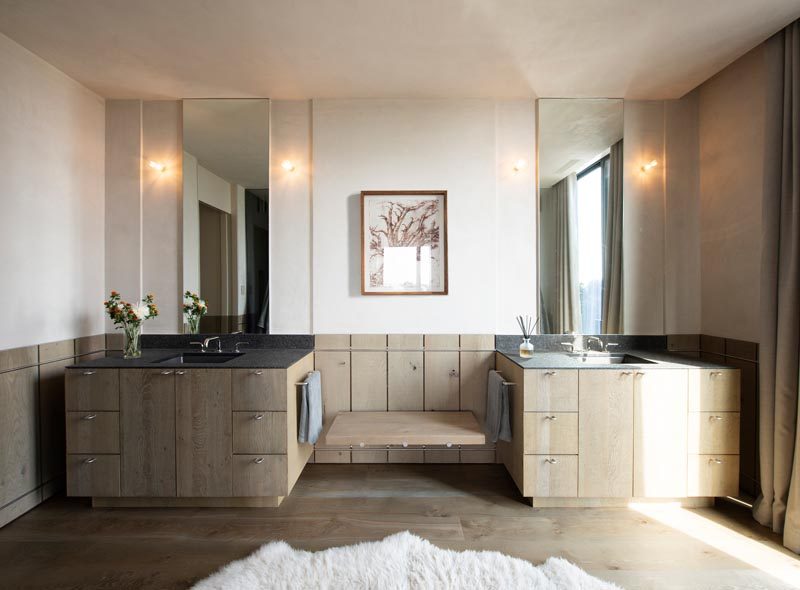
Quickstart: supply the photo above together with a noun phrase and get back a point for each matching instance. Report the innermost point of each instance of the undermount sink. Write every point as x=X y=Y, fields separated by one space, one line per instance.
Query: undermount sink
x=605 y=358
x=201 y=358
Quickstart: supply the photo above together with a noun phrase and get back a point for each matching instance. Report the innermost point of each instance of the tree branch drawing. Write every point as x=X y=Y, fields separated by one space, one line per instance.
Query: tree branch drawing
x=403 y=225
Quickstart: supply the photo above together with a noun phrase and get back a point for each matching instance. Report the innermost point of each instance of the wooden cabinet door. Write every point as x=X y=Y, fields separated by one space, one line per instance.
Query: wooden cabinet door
x=92 y=389
x=334 y=367
x=715 y=390
x=147 y=432
x=660 y=433
x=406 y=380
x=441 y=380
x=369 y=376
x=551 y=390
x=605 y=447
x=19 y=466
x=203 y=427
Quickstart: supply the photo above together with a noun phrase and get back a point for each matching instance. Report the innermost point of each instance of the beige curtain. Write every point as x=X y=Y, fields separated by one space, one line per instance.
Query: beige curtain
x=779 y=504
x=612 y=241
x=568 y=305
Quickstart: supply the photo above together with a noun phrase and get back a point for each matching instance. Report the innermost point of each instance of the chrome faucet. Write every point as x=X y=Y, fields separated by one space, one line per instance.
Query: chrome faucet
x=598 y=340
x=209 y=340
x=238 y=344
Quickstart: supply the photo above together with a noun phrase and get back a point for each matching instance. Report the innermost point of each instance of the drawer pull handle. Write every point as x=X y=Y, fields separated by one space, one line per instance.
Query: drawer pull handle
x=549 y=373
x=258 y=461
x=626 y=373
x=258 y=417
x=258 y=372
x=342 y=363
x=551 y=460
x=90 y=416
x=166 y=372
x=715 y=461
x=89 y=460
x=712 y=418
x=716 y=373
x=180 y=372
x=639 y=373
x=87 y=373
x=551 y=418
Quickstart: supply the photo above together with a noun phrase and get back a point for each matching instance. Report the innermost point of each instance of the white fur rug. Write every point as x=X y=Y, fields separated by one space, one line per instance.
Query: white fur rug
x=398 y=562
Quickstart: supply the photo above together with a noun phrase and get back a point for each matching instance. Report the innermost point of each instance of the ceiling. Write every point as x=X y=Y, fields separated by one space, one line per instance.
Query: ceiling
x=573 y=133
x=392 y=48
x=230 y=138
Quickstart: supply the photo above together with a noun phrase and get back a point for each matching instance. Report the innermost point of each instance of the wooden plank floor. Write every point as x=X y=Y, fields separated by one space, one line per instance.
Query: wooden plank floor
x=66 y=544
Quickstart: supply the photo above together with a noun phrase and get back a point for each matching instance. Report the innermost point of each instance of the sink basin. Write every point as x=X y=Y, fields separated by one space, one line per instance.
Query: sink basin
x=186 y=358
x=603 y=358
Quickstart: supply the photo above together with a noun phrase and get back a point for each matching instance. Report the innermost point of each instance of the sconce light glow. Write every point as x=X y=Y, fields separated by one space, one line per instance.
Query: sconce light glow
x=157 y=166
x=649 y=166
x=288 y=165
x=519 y=165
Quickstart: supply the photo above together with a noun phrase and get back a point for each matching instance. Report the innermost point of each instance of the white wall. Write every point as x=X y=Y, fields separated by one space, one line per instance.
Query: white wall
x=51 y=202
x=465 y=146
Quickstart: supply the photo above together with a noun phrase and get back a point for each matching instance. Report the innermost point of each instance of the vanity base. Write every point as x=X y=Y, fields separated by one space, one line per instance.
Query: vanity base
x=616 y=502
x=256 y=502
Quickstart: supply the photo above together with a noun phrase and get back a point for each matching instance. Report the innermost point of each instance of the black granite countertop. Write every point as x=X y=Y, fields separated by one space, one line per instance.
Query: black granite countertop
x=657 y=360
x=154 y=358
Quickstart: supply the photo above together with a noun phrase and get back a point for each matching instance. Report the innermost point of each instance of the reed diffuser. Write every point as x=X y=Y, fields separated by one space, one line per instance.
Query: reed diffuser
x=527 y=325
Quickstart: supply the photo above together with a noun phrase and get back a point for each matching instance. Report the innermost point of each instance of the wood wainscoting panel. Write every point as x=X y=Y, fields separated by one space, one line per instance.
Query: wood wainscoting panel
x=19 y=463
x=335 y=371
x=368 y=341
x=442 y=380
x=482 y=342
x=369 y=375
x=56 y=351
x=474 y=376
x=16 y=358
x=406 y=380
x=332 y=341
x=405 y=342
x=442 y=342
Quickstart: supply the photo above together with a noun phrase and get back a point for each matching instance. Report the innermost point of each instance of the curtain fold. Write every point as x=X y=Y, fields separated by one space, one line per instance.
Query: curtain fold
x=611 y=321
x=779 y=504
x=568 y=305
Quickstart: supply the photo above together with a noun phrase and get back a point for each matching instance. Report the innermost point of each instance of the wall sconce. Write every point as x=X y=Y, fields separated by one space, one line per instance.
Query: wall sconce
x=519 y=165
x=288 y=165
x=649 y=166
x=158 y=166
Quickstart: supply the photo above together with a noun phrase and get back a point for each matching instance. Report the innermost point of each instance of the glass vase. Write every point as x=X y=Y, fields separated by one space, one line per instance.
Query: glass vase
x=526 y=348
x=133 y=347
x=194 y=324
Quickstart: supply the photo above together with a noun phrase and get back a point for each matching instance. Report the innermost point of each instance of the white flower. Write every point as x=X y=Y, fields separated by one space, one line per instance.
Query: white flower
x=120 y=306
x=142 y=312
x=202 y=303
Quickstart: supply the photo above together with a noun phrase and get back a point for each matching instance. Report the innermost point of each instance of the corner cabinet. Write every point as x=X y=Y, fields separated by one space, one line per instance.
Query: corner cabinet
x=184 y=437
x=587 y=437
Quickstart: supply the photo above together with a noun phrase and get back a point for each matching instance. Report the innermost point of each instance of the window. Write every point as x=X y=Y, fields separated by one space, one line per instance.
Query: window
x=590 y=247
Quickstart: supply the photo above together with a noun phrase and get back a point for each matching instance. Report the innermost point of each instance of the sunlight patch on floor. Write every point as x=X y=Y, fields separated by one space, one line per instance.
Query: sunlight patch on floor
x=771 y=561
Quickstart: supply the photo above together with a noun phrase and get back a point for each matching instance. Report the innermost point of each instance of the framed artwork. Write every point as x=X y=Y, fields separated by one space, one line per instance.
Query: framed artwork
x=404 y=243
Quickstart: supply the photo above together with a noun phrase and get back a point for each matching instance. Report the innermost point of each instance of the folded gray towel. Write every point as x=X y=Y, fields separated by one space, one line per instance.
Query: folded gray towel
x=498 y=410
x=310 y=425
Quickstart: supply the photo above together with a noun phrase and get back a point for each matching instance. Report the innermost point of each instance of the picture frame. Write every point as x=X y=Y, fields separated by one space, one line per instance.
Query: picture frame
x=404 y=242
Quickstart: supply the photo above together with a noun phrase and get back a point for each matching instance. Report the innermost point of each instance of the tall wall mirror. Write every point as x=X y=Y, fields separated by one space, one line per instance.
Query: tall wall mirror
x=226 y=212
x=581 y=163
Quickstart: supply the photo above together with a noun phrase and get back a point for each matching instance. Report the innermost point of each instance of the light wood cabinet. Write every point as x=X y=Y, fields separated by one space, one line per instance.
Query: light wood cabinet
x=92 y=390
x=551 y=390
x=406 y=380
x=605 y=422
x=551 y=433
x=259 y=432
x=713 y=475
x=551 y=476
x=259 y=390
x=369 y=381
x=715 y=390
x=335 y=369
x=441 y=380
x=93 y=432
x=203 y=430
x=714 y=433
x=660 y=426
x=147 y=432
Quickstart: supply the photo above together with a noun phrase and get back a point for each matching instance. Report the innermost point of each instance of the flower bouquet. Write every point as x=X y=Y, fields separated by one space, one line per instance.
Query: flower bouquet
x=194 y=308
x=130 y=318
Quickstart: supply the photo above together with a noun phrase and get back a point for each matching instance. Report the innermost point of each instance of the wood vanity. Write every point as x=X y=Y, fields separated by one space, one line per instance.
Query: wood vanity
x=600 y=436
x=184 y=436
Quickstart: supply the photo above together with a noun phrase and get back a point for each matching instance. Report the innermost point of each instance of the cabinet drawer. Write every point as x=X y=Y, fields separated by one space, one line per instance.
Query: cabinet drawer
x=713 y=475
x=551 y=390
x=714 y=433
x=259 y=432
x=93 y=475
x=551 y=476
x=92 y=389
x=551 y=432
x=260 y=475
x=259 y=389
x=714 y=390
x=93 y=432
